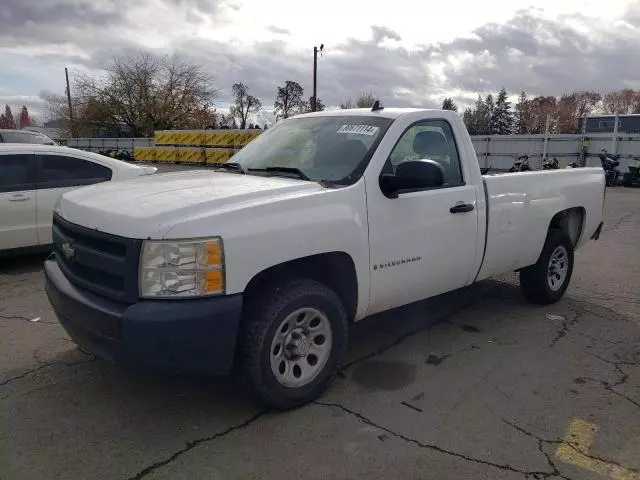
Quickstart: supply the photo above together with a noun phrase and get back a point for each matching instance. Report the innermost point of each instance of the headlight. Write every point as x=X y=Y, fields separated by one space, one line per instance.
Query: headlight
x=183 y=268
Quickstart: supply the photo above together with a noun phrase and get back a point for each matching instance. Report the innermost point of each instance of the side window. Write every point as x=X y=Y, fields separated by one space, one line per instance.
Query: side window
x=57 y=171
x=16 y=172
x=433 y=140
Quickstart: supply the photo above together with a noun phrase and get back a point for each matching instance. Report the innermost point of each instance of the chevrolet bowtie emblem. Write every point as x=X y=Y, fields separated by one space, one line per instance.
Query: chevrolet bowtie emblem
x=68 y=251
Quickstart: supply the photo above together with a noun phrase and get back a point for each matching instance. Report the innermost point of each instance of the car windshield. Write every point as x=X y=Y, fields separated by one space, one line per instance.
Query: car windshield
x=333 y=148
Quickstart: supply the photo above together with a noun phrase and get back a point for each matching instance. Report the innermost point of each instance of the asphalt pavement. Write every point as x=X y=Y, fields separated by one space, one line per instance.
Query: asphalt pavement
x=475 y=384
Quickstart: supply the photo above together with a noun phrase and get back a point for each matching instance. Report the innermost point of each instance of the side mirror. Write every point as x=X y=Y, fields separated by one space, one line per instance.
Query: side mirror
x=412 y=176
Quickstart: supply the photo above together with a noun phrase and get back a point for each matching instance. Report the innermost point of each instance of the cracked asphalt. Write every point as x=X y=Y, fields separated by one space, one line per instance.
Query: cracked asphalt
x=475 y=384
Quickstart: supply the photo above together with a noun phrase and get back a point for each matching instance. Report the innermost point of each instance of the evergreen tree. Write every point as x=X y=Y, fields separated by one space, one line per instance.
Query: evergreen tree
x=25 y=119
x=447 y=104
x=521 y=116
x=488 y=115
x=9 y=122
x=468 y=119
x=481 y=116
x=501 y=116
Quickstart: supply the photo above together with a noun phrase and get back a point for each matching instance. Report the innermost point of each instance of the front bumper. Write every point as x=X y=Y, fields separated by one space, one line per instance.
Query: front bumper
x=179 y=336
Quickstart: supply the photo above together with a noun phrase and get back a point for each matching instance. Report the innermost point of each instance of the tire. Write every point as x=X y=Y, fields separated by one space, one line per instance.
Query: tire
x=270 y=338
x=627 y=180
x=536 y=281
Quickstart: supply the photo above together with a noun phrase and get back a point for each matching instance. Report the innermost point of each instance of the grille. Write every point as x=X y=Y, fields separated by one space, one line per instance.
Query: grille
x=100 y=262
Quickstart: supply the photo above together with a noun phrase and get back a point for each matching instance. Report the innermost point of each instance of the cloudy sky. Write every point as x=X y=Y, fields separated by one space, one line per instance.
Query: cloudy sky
x=408 y=52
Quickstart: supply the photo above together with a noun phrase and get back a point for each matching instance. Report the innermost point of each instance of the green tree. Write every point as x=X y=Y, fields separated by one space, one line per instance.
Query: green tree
x=24 y=118
x=488 y=115
x=468 y=119
x=447 y=104
x=501 y=122
x=522 y=120
x=481 y=115
x=6 y=120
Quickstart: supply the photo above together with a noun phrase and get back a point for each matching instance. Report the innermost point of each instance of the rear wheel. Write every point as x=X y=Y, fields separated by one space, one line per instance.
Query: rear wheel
x=293 y=342
x=546 y=281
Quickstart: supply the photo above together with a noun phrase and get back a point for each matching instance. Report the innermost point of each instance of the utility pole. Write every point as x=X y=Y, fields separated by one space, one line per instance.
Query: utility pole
x=66 y=74
x=315 y=75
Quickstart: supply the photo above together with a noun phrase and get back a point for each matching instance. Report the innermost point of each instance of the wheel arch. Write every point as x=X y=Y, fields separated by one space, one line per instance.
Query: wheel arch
x=336 y=270
x=571 y=221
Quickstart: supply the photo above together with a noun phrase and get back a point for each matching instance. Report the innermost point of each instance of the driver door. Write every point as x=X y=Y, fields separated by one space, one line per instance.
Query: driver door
x=419 y=247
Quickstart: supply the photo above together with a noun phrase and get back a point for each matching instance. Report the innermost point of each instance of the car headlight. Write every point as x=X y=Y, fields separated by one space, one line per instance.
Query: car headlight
x=182 y=268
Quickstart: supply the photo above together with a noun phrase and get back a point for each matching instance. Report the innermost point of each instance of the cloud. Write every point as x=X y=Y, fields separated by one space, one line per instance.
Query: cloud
x=543 y=56
x=55 y=21
x=278 y=30
x=529 y=51
x=383 y=33
x=632 y=14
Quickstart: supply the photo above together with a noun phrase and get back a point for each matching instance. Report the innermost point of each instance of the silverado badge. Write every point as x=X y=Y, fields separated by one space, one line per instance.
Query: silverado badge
x=68 y=251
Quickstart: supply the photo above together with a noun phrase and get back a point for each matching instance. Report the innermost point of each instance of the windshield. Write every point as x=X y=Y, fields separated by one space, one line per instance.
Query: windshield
x=334 y=149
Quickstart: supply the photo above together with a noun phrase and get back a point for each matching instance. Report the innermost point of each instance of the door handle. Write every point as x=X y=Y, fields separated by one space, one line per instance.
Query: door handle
x=461 y=208
x=19 y=198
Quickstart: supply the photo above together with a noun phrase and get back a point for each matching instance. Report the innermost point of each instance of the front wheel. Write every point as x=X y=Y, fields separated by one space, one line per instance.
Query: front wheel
x=293 y=342
x=546 y=281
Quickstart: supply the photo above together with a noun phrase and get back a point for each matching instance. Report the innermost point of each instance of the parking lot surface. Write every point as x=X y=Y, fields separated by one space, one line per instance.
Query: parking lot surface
x=474 y=384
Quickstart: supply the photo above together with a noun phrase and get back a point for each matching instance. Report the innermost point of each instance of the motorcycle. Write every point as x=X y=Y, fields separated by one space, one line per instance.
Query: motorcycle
x=609 y=163
x=521 y=164
x=117 y=154
x=632 y=177
x=550 y=164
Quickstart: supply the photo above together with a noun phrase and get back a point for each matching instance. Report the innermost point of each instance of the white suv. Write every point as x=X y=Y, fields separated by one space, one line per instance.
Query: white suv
x=32 y=177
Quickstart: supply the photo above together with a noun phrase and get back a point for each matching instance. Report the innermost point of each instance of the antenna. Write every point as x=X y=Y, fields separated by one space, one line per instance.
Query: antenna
x=377 y=106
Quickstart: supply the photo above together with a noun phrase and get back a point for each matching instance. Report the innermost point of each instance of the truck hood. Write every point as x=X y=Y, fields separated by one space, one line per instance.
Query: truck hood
x=149 y=206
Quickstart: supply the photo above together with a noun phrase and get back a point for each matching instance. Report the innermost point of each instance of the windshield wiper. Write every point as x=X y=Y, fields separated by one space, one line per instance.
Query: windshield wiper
x=230 y=166
x=295 y=171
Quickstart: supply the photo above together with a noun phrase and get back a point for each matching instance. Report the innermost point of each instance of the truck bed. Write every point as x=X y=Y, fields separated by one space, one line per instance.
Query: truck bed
x=520 y=206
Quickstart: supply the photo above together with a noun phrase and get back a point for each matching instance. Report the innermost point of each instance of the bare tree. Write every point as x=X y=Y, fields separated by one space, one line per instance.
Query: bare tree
x=306 y=106
x=144 y=92
x=572 y=107
x=366 y=100
x=347 y=104
x=245 y=104
x=621 y=102
x=228 y=121
x=288 y=100
x=541 y=109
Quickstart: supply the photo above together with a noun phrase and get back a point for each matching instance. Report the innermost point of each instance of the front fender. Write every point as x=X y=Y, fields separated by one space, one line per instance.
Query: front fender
x=265 y=234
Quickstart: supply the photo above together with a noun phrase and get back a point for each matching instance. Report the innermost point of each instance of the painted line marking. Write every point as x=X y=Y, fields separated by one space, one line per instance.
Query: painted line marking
x=576 y=447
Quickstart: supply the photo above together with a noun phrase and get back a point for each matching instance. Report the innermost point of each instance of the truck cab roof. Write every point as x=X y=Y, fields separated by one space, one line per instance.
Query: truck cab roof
x=391 y=113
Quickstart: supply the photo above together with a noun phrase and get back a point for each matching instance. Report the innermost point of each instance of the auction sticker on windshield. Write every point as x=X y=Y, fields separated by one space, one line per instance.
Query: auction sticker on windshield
x=360 y=129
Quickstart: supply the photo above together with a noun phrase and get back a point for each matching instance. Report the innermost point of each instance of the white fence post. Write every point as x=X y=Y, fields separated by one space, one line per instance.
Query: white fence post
x=614 y=141
x=545 y=147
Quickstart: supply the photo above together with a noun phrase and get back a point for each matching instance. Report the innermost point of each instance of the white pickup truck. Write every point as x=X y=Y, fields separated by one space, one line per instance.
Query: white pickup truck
x=324 y=219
